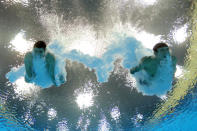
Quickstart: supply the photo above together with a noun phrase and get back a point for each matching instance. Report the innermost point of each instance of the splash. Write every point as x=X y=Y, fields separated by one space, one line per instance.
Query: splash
x=181 y=34
x=127 y=48
x=20 y=44
x=130 y=51
x=79 y=42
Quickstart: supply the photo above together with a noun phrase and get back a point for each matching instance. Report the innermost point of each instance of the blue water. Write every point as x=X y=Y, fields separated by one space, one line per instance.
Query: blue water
x=183 y=118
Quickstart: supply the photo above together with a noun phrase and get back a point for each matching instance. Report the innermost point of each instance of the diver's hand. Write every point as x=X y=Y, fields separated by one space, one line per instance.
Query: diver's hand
x=61 y=79
x=30 y=78
x=132 y=71
x=144 y=82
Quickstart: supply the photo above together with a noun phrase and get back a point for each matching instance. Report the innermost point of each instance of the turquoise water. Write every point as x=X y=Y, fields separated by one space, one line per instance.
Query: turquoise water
x=95 y=43
x=182 y=119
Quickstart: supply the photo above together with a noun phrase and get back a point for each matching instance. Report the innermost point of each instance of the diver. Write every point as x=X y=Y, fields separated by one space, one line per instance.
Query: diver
x=40 y=64
x=150 y=64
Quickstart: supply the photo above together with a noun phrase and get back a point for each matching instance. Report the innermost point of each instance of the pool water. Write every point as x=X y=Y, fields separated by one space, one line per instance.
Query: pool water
x=96 y=42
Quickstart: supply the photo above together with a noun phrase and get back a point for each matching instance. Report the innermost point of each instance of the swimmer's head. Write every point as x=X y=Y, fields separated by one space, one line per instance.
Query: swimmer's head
x=161 y=50
x=39 y=48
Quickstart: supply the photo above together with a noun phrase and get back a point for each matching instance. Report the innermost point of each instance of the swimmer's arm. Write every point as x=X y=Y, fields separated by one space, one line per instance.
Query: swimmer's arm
x=135 y=69
x=50 y=62
x=139 y=67
x=28 y=61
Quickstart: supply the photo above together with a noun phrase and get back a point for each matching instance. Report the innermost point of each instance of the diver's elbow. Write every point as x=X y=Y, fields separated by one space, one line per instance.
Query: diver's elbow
x=132 y=71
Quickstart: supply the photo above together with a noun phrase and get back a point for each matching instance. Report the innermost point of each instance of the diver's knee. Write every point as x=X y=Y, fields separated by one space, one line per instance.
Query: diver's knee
x=27 y=79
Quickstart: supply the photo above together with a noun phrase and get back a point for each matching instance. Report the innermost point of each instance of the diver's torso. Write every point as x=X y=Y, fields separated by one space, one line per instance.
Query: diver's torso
x=157 y=70
x=150 y=66
x=42 y=76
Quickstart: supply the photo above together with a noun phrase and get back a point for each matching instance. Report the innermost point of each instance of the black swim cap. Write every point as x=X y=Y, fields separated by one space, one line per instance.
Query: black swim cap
x=40 y=44
x=159 y=45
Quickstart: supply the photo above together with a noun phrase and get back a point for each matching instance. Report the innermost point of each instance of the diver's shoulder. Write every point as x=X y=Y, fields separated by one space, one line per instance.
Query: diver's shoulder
x=49 y=55
x=28 y=57
x=28 y=54
x=147 y=58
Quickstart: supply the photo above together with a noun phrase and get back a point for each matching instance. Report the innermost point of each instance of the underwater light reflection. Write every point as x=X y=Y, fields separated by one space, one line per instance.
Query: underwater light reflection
x=20 y=44
x=115 y=113
x=104 y=125
x=137 y=119
x=179 y=71
x=23 y=2
x=146 y=2
x=180 y=34
x=85 y=100
x=52 y=113
x=62 y=126
x=23 y=89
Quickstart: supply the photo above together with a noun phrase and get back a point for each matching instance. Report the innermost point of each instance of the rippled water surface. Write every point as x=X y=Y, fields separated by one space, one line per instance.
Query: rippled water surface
x=99 y=40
